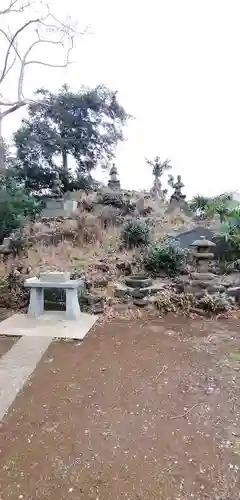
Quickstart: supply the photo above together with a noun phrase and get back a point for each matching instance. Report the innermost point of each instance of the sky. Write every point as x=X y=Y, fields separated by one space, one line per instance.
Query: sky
x=175 y=64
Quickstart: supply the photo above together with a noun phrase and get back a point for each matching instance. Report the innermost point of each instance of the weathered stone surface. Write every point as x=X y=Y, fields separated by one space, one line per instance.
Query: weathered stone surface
x=121 y=290
x=234 y=292
x=214 y=288
x=138 y=281
x=124 y=291
x=125 y=267
x=55 y=276
x=98 y=308
x=202 y=276
x=202 y=253
x=141 y=302
x=90 y=299
x=138 y=293
x=102 y=266
x=153 y=289
x=100 y=282
x=58 y=207
x=199 y=283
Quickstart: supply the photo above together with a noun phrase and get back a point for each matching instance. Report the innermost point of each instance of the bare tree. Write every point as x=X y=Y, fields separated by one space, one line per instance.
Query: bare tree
x=42 y=29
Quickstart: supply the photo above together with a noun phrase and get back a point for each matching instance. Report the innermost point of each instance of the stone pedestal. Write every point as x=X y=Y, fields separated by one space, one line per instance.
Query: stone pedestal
x=114 y=185
x=178 y=206
x=58 y=207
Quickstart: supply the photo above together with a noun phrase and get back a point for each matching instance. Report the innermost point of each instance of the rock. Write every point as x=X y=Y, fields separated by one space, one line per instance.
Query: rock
x=154 y=288
x=203 y=276
x=121 y=290
x=216 y=288
x=234 y=292
x=137 y=293
x=100 y=282
x=138 y=281
x=199 y=295
x=180 y=287
x=102 y=266
x=121 y=266
x=86 y=205
x=200 y=284
x=90 y=299
x=140 y=302
x=125 y=267
x=98 y=308
x=88 y=284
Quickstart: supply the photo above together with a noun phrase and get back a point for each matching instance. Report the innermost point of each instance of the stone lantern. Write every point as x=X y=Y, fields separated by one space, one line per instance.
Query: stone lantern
x=203 y=254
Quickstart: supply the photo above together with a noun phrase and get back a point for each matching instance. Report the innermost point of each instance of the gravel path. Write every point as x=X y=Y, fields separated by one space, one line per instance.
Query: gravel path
x=136 y=411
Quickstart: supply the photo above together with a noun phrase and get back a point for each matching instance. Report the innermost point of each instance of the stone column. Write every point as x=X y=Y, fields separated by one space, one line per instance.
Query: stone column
x=36 y=304
x=72 y=304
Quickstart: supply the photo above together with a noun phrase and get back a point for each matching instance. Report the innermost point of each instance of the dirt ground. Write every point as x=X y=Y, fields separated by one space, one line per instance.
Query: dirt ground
x=141 y=411
x=6 y=343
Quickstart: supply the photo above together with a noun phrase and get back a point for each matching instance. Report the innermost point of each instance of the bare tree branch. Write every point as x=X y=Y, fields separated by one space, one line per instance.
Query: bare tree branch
x=11 y=45
x=63 y=65
x=11 y=9
x=25 y=62
x=46 y=29
x=16 y=103
x=8 y=38
x=10 y=110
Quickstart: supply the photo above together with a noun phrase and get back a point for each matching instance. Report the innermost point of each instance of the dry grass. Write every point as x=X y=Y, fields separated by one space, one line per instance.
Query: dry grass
x=93 y=243
x=88 y=238
x=66 y=255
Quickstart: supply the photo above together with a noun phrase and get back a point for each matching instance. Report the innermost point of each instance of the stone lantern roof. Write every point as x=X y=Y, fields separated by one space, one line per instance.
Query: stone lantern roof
x=203 y=243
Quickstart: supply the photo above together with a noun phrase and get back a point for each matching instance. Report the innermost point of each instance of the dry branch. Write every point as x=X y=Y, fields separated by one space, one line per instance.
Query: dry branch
x=184 y=414
x=46 y=29
x=12 y=7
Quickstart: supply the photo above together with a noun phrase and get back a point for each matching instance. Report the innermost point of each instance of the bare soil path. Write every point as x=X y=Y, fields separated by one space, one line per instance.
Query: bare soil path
x=141 y=411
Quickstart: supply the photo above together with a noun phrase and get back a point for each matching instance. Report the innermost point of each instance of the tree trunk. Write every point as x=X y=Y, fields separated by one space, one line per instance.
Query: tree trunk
x=2 y=149
x=65 y=161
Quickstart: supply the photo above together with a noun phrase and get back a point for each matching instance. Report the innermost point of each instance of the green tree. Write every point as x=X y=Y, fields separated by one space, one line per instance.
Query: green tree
x=86 y=125
x=219 y=205
x=15 y=206
x=210 y=207
x=199 y=204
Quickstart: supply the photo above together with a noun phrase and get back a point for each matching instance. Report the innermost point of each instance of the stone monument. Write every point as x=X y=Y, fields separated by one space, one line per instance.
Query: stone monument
x=203 y=279
x=177 y=200
x=57 y=206
x=202 y=254
x=57 y=189
x=58 y=280
x=114 y=183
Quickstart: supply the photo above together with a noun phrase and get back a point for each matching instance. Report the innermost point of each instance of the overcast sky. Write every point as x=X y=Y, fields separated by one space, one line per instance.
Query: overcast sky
x=176 y=66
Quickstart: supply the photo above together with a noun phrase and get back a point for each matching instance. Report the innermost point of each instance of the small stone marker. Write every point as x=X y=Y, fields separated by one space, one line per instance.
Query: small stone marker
x=54 y=280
